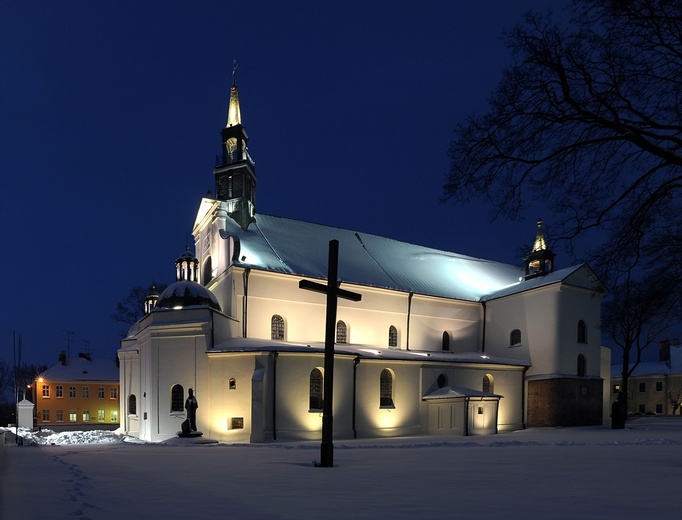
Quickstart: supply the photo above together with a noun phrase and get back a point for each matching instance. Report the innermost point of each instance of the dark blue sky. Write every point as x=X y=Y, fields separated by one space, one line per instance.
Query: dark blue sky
x=109 y=125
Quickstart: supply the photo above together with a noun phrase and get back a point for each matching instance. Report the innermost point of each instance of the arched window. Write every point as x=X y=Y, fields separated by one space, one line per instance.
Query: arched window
x=341 y=332
x=515 y=338
x=277 y=327
x=392 y=336
x=207 y=272
x=132 y=404
x=442 y=380
x=386 y=389
x=316 y=390
x=488 y=384
x=177 y=398
x=582 y=332
x=581 y=366
x=446 y=341
x=232 y=384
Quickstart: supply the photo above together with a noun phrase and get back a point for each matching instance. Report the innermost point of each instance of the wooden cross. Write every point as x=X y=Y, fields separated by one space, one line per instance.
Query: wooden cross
x=333 y=292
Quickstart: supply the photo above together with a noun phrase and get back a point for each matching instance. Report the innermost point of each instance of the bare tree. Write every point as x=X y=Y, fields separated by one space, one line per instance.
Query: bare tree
x=588 y=120
x=638 y=313
x=131 y=308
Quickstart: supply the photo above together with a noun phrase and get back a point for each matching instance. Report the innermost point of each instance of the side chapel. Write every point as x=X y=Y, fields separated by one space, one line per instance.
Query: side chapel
x=440 y=343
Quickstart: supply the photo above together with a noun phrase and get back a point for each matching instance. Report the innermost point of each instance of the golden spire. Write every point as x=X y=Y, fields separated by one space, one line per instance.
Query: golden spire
x=234 y=116
x=539 y=244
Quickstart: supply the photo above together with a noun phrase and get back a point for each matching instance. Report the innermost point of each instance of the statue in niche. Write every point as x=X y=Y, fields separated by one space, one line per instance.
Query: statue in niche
x=191 y=406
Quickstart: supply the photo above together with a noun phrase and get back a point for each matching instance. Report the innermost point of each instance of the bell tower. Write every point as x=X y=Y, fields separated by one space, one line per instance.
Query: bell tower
x=540 y=261
x=235 y=176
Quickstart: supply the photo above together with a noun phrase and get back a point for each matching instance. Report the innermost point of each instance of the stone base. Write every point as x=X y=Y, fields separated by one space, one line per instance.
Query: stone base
x=190 y=434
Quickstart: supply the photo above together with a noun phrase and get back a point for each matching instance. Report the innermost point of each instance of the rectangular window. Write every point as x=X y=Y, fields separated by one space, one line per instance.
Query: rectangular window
x=73 y=417
x=46 y=391
x=59 y=391
x=114 y=416
x=46 y=415
x=114 y=392
x=642 y=408
x=100 y=415
x=86 y=392
x=100 y=392
x=86 y=415
x=659 y=386
x=642 y=387
x=616 y=389
x=659 y=408
x=60 y=415
x=236 y=423
x=72 y=392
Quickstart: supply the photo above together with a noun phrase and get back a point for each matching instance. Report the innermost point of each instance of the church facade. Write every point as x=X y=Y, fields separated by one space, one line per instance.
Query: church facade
x=439 y=343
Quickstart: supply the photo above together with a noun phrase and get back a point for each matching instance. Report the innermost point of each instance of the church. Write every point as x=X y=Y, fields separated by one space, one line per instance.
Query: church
x=437 y=344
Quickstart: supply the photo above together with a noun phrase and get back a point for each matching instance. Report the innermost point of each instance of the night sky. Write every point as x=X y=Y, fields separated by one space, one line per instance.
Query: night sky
x=110 y=115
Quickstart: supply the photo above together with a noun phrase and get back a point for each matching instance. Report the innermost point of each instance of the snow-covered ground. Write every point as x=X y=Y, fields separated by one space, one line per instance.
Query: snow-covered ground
x=535 y=473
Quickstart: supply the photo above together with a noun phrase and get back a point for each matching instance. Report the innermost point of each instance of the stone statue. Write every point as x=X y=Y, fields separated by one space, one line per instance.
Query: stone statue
x=191 y=406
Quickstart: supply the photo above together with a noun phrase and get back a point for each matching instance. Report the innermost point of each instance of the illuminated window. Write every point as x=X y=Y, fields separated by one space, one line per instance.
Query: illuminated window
x=277 y=327
x=232 y=384
x=73 y=416
x=515 y=338
x=316 y=390
x=616 y=389
x=86 y=415
x=114 y=416
x=341 y=332
x=86 y=392
x=488 y=385
x=581 y=366
x=60 y=415
x=392 y=337
x=582 y=332
x=100 y=415
x=72 y=392
x=100 y=392
x=177 y=398
x=59 y=391
x=132 y=404
x=446 y=342
x=386 y=389
x=113 y=394
x=46 y=415
x=46 y=391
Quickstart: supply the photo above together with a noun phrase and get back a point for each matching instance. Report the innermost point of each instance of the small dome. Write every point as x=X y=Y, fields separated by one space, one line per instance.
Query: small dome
x=186 y=294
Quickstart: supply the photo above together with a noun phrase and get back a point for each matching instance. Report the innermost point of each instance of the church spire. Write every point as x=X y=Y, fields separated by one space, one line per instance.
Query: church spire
x=540 y=261
x=235 y=175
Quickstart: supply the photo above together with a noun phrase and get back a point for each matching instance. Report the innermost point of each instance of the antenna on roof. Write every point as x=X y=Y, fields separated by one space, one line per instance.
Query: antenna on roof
x=69 y=333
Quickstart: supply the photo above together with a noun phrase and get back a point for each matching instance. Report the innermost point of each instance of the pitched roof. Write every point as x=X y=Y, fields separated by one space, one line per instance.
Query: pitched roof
x=82 y=369
x=284 y=245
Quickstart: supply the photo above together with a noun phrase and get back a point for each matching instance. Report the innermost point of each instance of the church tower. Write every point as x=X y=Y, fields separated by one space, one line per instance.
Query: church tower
x=540 y=261
x=235 y=177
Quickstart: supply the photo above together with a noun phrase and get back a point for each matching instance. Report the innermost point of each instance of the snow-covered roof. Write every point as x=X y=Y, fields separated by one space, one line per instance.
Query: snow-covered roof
x=294 y=247
x=364 y=351
x=82 y=369
x=654 y=368
x=448 y=392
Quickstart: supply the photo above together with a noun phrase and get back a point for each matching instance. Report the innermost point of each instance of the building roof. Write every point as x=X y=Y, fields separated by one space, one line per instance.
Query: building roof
x=284 y=245
x=654 y=368
x=83 y=369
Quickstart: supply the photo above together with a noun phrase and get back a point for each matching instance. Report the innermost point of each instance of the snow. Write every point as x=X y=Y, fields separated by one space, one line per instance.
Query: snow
x=587 y=472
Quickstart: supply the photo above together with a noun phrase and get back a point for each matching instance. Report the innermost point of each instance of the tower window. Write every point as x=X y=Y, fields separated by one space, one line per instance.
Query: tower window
x=386 y=389
x=132 y=404
x=392 y=337
x=232 y=384
x=316 y=390
x=446 y=342
x=177 y=398
x=277 y=327
x=515 y=338
x=341 y=332
x=487 y=385
x=582 y=332
x=581 y=366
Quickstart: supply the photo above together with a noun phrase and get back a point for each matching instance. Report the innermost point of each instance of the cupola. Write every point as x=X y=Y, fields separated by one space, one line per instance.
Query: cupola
x=540 y=261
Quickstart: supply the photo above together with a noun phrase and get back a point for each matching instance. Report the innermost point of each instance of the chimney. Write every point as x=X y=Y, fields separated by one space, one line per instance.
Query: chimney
x=62 y=358
x=664 y=350
x=84 y=356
